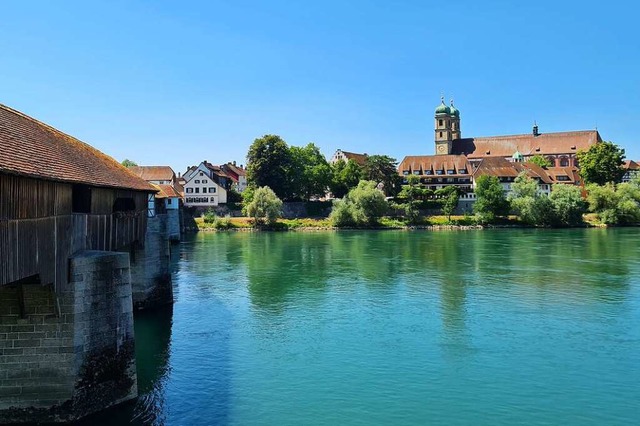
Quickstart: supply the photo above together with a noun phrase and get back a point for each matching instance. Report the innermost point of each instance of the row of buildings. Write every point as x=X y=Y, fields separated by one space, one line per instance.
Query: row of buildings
x=460 y=161
x=205 y=185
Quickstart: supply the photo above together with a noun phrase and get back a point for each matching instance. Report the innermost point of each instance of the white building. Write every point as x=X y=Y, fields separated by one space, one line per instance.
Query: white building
x=205 y=186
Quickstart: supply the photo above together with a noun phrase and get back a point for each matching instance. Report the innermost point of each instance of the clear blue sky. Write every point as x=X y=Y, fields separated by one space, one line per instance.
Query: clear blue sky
x=176 y=82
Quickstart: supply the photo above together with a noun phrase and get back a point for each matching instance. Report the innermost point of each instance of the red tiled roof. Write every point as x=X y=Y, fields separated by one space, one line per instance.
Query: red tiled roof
x=358 y=158
x=435 y=162
x=153 y=172
x=31 y=148
x=631 y=165
x=500 y=167
x=528 y=144
x=166 y=191
x=570 y=172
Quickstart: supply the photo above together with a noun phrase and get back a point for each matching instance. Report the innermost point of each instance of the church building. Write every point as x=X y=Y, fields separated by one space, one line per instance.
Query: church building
x=457 y=160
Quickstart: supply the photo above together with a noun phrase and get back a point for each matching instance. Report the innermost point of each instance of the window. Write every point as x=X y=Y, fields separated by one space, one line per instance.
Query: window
x=405 y=172
x=451 y=172
x=439 y=172
x=562 y=178
x=197 y=190
x=462 y=171
x=161 y=182
x=212 y=190
x=204 y=181
x=124 y=205
x=81 y=199
x=189 y=190
x=201 y=174
x=213 y=199
x=197 y=181
x=564 y=162
x=416 y=172
x=169 y=201
x=440 y=124
x=440 y=134
x=428 y=172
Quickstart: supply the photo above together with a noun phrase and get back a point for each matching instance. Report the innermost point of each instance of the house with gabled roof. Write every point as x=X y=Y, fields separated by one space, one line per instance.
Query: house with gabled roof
x=237 y=174
x=159 y=175
x=345 y=156
x=205 y=185
x=632 y=170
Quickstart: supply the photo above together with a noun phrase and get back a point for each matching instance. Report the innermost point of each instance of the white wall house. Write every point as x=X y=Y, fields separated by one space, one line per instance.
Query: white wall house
x=201 y=188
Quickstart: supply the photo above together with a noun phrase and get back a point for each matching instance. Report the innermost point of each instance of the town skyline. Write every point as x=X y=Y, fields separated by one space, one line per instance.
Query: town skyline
x=159 y=84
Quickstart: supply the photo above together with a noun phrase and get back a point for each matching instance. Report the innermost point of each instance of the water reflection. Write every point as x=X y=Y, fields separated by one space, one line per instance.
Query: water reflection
x=263 y=315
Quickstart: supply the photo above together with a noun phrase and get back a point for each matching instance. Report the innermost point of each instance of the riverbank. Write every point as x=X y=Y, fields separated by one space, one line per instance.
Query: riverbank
x=431 y=223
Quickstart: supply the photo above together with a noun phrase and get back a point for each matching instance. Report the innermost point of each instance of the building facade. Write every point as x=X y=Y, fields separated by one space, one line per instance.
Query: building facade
x=205 y=186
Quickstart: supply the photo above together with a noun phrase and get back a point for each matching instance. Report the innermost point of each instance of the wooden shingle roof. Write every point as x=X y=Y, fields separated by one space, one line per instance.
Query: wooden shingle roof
x=31 y=148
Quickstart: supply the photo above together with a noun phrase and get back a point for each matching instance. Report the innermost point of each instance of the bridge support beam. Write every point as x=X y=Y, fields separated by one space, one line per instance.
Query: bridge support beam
x=68 y=353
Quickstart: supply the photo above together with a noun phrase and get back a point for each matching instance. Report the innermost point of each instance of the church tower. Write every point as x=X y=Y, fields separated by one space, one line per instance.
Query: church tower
x=455 y=122
x=443 y=129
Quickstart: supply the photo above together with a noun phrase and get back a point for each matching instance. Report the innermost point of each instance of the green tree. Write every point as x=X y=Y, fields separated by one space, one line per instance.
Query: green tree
x=615 y=204
x=265 y=206
x=412 y=194
x=490 y=199
x=128 y=163
x=450 y=197
x=344 y=177
x=311 y=174
x=540 y=161
x=568 y=204
x=382 y=169
x=269 y=163
x=363 y=205
x=530 y=206
x=601 y=163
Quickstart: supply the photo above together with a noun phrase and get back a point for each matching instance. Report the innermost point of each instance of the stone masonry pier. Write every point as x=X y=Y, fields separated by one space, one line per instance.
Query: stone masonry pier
x=70 y=353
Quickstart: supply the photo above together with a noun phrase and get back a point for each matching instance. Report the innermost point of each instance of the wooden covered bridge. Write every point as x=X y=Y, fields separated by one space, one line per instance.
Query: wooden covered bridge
x=70 y=219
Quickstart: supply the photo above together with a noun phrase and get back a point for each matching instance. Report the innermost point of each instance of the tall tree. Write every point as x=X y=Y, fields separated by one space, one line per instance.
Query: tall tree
x=269 y=163
x=490 y=199
x=382 y=169
x=450 y=198
x=601 y=163
x=345 y=177
x=311 y=172
x=128 y=163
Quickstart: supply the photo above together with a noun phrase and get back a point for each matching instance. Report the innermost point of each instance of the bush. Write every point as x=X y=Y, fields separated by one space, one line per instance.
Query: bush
x=265 y=206
x=363 y=205
x=209 y=216
x=222 y=223
x=568 y=204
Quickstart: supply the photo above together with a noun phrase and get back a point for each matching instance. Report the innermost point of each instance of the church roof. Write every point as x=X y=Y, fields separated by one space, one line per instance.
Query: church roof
x=435 y=162
x=31 y=148
x=527 y=144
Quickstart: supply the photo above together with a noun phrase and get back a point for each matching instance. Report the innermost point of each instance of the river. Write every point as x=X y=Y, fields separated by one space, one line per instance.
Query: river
x=493 y=327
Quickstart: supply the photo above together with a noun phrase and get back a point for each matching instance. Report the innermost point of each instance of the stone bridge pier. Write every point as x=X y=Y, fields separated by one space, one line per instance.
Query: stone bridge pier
x=69 y=352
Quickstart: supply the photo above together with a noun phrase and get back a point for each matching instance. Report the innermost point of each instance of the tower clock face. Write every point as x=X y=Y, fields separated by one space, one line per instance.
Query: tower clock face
x=441 y=148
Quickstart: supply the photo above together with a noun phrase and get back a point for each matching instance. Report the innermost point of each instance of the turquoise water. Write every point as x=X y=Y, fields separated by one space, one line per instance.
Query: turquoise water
x=500 y=327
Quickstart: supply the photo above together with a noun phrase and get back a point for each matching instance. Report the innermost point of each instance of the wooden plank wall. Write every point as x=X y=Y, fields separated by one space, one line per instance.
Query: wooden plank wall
x=39 y=232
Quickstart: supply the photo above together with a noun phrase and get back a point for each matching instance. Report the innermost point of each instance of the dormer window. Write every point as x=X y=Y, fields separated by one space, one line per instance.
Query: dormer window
x=451 y=172
x=573 y=147
x=405 y=172
x=428 y=172
x=538 y=149
x=462 y=171
x=417 y=172
x=439 y=172
x=488 y=152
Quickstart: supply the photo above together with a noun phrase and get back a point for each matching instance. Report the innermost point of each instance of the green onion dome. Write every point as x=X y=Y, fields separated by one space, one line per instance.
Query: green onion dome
x=453 y=110
x=443 y=108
